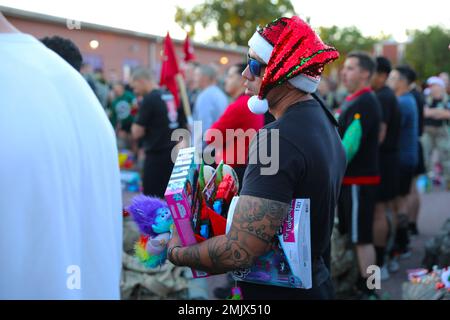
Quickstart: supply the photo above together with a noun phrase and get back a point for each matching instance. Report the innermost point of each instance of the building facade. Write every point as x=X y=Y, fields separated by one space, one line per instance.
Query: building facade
x=117 y=51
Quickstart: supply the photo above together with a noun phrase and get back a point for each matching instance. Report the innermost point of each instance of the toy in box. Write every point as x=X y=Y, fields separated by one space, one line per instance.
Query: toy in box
x=288 y=264
x=221 y=188
x=182 y=194
x=184 y=198
x=194 y=218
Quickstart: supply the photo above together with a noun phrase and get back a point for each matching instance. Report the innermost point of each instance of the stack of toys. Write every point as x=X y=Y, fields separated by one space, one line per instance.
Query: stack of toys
x=427 y=285
x=200 y=204
x=198 y=197
x=126 y=159
x=130 y=180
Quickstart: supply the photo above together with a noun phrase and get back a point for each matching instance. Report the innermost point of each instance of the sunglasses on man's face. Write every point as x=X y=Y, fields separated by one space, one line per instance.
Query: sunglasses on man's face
x=255 y=66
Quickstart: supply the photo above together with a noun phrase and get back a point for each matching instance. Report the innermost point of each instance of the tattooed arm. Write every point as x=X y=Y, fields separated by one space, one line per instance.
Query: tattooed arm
x=255 y=223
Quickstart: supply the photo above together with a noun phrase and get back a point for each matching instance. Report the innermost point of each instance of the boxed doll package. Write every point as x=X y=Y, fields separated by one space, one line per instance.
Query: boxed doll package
x=288 y=264
x=183 y=198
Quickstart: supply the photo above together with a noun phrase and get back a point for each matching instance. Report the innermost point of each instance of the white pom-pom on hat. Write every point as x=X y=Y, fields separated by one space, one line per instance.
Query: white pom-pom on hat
x=258 y=106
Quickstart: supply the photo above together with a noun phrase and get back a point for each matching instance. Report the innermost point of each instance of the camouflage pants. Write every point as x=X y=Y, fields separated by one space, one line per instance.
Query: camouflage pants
x=437 y=138
x=139 y=282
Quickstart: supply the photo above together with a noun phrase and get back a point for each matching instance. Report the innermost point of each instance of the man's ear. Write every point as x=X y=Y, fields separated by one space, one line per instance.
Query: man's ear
x=366 y=75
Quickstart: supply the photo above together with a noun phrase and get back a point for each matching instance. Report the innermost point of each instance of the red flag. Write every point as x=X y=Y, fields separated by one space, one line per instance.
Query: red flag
x=188 y=50
x=170 y=69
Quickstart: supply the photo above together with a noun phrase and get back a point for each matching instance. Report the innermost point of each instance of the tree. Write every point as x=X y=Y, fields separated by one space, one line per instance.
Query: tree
x=428 y=51
x=236 y=19
x=345 y=40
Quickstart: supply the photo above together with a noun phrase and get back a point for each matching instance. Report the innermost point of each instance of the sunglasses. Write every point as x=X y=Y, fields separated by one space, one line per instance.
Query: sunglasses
x=255 y=66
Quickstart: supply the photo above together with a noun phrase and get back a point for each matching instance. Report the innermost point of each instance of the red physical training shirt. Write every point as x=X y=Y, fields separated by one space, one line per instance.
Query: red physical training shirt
x=234 y=151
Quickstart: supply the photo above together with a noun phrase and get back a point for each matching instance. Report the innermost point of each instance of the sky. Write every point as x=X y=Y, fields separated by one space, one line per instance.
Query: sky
x=373 y=17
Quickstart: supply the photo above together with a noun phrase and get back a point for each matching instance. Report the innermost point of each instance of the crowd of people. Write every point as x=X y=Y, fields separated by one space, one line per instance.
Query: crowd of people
x=217 y=101
x=397 y=141
x=403 y=134
x=357 y=144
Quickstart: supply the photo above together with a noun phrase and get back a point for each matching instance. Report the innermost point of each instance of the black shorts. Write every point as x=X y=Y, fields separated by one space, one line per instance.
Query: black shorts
x=421 y=164
x=406 y=175
x=157 y=170
x=356 y=208
x=388 y=188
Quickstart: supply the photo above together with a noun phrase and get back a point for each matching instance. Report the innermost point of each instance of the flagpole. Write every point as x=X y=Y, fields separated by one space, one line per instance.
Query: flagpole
x=185 y=100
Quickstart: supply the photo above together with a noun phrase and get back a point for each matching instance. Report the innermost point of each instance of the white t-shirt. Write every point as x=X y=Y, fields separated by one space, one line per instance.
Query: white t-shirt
x=60 y=196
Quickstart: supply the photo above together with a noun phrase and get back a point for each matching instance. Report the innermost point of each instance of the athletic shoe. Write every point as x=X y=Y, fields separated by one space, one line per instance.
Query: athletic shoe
x=405 y=254
x=393 y=265
x=384 y=273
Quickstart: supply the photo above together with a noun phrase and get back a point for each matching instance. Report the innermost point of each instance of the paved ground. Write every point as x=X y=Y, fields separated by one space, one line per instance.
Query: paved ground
x=435 y=209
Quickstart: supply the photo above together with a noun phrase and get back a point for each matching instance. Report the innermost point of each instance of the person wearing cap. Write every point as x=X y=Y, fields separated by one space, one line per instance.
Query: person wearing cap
x=285 y=62
x=436 y=121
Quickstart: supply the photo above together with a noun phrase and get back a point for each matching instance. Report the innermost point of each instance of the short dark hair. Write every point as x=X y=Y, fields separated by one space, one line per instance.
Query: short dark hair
x=383 y=65
x=66 y=49
x=240 y=67
x=364 y=60
x=410 y=74
x=407 y=73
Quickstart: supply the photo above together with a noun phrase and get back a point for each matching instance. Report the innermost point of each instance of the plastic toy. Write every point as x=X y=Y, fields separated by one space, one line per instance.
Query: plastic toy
x=155 y=223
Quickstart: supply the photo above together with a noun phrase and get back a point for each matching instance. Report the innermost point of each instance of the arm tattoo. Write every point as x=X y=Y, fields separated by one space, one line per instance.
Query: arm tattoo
x=255 y=223
x=260 y=217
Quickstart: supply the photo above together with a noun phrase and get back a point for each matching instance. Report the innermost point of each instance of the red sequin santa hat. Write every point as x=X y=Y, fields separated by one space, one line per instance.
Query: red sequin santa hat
x=293 y=52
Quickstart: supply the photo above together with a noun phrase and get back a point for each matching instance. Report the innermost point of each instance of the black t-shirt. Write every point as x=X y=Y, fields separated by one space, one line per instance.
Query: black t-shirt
x=391 y=117
x=268 y=118
x=365 y=161
x=420 y=102
x=159 y=115
x=311 y=165
x=434 y=103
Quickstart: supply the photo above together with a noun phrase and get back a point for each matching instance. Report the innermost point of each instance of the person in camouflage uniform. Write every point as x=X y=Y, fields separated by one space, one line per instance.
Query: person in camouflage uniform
x=436 y=128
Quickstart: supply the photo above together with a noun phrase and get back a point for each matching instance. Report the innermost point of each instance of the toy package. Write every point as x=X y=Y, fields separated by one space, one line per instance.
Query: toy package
x=202 y=202
x=288 y=264
x=183 y=195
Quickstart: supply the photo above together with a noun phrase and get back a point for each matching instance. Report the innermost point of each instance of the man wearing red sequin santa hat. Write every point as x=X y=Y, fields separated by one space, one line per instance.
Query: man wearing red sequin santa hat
x=307 y=161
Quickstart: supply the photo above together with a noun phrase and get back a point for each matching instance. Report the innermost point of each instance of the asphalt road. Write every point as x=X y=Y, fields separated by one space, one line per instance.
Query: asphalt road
x=434 y=211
